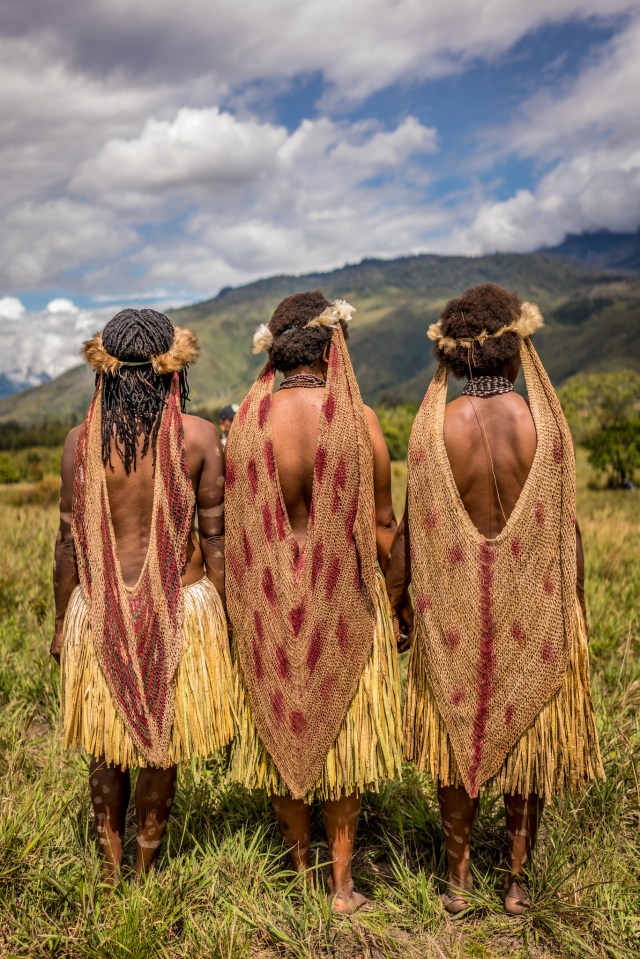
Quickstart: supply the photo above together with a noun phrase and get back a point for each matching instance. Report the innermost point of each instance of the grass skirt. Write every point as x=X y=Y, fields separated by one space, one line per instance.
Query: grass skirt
x=368 y=748
x=559 y=752
x=203 y=720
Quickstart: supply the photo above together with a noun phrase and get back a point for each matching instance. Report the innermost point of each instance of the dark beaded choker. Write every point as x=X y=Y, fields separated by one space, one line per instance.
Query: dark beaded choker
x=307 y=381
x=484 y=386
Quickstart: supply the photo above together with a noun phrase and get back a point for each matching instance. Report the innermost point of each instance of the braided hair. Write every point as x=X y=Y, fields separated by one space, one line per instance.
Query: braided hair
x=134 y=397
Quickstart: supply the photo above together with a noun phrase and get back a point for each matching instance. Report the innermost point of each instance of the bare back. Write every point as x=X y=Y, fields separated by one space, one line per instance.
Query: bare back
x=484 y=437
x=131 y=500
x=295 y=420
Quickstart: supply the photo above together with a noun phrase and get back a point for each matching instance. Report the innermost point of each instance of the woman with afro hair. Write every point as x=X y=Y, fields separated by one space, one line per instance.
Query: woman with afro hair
x=309 y=518
x=498 y=687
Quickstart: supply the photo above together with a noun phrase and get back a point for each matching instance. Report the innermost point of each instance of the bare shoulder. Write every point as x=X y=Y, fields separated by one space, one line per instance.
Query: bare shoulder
x=200 y=433
x=72 y=440
x=373 y=421
x=458 y=411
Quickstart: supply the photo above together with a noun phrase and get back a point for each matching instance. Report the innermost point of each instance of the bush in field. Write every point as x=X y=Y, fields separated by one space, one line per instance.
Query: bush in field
x=603 y=410
x=29 y=465
x=9 y=469
x=615 y=450
x=593 y=401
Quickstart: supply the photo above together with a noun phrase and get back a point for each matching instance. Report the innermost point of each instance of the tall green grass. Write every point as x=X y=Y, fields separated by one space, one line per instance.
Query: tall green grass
x=223 y=889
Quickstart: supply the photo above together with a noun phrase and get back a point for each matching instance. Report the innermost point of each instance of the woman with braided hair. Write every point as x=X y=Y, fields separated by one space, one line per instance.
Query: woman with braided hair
x=140 y=621
x=309 y=516
x=498 y=687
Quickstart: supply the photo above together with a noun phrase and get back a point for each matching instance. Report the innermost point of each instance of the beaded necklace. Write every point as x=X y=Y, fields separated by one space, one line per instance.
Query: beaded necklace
x=485 y=386
x=305 y=380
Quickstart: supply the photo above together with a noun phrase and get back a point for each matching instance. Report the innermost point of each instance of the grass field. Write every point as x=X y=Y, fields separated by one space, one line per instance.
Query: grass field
x=222 y=889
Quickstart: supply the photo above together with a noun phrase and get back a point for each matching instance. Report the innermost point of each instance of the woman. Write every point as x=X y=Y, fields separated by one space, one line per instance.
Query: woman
x=309 y=516
x=140 y=624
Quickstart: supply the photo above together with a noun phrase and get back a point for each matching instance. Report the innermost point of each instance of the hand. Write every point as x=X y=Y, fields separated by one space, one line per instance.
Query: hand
x=56 y=644
x=403 y=625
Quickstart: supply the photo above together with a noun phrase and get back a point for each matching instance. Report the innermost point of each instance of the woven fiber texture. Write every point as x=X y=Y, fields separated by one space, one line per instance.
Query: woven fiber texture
x=203 y=720
x=496 y=618
x=303 y=620
x=137 y=631
x=368 y=748
x=558 y=753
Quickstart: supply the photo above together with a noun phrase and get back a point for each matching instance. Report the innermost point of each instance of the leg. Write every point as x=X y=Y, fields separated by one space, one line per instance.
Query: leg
x=341 y=821
x=523 y=815
x=155 y=791
x=458 y=810
x=110 y=790
x=294 y=821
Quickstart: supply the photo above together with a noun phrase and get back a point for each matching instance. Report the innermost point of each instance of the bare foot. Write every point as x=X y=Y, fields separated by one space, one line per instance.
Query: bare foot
x=453 y=898
x=346 y=900
x=516 y=901
x=110 y=874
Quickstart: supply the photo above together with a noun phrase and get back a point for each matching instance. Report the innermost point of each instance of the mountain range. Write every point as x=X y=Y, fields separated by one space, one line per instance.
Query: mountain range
x=592 y=323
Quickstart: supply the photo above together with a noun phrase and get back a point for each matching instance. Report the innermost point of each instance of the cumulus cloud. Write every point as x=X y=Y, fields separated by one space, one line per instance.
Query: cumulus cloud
x=264 y=199
x=46 y=341
x=207 y=147
x=126 y=171
x=11 y=308
x=586 y=138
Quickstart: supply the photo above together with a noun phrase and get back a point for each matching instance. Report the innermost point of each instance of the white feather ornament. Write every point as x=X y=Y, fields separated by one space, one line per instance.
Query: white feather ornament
x=262 y=339
x=530 y=320
x=339 y=310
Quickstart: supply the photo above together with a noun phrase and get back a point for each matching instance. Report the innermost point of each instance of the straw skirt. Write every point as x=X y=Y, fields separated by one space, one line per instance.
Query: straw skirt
x=368 y=748
x=203 y=719
x=558 y=753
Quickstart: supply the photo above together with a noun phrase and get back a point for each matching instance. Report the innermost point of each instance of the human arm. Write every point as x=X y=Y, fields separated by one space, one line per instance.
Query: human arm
x=65 y=569
x=386 y=525
x=580 y=573
x=210 y=506
x=398 y=579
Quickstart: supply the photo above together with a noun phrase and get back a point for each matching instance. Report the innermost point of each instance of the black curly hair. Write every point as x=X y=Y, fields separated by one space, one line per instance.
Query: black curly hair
x=485 y=307
x=133 y=398
x=293 y=345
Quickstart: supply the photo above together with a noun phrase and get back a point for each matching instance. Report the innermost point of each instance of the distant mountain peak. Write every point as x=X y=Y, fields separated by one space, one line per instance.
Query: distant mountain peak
x=601 y=250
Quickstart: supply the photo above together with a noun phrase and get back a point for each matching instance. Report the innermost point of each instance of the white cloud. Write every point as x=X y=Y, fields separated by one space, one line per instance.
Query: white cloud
x=123 y=171
x=61 y=305
x=45 y=341
x=209 y=148
x=279 y=201
x=11 y=308
x=587 y=139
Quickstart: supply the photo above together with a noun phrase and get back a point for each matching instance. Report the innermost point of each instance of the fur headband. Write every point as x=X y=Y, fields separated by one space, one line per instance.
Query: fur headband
x=183 y=350
x=529 y=320
x=330 y=317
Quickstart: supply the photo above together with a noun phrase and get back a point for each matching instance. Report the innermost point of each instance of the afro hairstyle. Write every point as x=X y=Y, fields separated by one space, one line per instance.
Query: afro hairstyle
x=485 y=307
x=294 y=345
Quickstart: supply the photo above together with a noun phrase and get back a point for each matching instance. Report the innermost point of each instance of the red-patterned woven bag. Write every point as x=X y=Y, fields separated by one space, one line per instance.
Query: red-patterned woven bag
x=137 y=631
x=303 y=620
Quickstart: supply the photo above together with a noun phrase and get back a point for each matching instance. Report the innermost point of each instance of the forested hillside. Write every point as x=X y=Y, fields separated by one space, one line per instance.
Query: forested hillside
x=592 y=323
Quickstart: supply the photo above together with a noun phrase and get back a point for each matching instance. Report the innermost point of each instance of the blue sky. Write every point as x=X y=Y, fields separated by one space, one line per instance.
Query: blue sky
x=156 y=153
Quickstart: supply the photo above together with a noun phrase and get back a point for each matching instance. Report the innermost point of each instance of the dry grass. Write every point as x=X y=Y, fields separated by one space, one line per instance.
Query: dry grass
x=222 y=889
